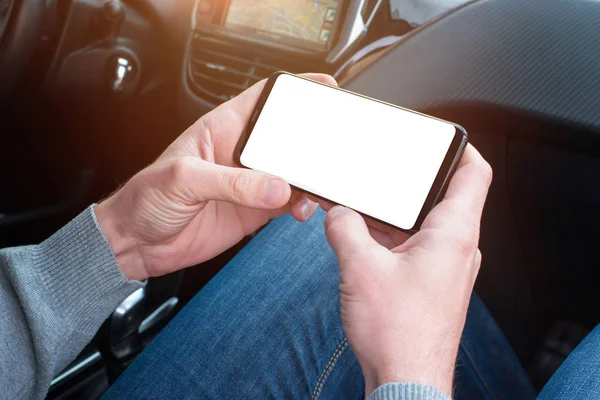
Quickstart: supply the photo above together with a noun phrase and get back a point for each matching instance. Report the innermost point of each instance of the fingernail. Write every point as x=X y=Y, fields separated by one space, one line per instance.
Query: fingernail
x=305 y=209
x=275 y=191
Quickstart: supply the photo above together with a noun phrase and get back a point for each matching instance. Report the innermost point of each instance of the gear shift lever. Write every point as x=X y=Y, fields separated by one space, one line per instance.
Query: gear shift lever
x=123 y=72
x=136 y=321
x=122 y=341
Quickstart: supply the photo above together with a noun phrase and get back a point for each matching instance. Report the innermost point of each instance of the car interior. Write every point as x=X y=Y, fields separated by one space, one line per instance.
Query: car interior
x=92 y=91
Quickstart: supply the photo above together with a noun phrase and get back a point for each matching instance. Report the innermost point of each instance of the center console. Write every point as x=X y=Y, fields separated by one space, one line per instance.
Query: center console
x=236 y=43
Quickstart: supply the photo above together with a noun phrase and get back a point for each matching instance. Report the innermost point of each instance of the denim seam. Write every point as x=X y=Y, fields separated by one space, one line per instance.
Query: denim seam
x=478 y=372
x=328 y=368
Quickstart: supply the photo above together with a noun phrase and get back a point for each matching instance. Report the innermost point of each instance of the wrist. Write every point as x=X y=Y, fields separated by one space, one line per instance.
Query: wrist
x=124 y=245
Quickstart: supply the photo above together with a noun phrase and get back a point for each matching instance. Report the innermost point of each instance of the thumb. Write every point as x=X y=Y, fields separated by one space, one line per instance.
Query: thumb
x=347 y=232
x=205 y=181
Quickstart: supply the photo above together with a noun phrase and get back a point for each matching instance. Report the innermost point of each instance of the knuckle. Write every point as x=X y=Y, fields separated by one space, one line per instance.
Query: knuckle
x=336 y=221
x=485 y=171
x=180 y=169
x=438 y=219
x=464 y=247
x=477 y=262
x=466 y=244
x=240 y=184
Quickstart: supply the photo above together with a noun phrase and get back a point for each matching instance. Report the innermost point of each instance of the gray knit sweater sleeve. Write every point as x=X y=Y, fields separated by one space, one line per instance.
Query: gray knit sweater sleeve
x=407 y=391
x=53 y=298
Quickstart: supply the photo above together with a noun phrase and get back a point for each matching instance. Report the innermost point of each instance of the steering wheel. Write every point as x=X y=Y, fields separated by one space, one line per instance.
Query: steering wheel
x=20 y=27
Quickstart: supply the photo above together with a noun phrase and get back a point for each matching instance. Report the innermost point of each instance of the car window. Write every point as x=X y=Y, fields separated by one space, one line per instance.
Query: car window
x=417 y=12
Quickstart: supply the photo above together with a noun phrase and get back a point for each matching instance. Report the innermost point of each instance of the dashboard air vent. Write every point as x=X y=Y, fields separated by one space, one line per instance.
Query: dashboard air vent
x=220 y=70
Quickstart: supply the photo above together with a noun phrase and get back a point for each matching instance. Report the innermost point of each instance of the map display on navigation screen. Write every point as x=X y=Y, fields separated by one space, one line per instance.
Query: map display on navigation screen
x=309 y=23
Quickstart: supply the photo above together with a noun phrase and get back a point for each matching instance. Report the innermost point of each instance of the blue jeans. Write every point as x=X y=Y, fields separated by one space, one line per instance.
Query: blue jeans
x=268 y=326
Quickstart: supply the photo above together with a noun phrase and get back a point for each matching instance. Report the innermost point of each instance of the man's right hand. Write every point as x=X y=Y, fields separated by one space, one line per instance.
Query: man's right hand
x=404 y=309
x=194 y=202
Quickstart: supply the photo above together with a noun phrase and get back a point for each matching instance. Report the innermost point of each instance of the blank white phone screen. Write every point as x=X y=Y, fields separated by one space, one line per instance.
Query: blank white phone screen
x=374 y=158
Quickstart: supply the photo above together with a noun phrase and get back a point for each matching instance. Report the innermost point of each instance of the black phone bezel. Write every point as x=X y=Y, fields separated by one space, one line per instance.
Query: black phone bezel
x=440 y=184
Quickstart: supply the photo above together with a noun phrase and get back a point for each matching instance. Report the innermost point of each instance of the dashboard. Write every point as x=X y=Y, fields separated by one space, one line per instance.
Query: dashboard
x=236 y=43
x=214 y=48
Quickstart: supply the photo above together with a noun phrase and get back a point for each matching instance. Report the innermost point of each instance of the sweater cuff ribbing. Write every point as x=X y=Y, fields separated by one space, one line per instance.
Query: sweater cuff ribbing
x=80 y=273
x=407 y=391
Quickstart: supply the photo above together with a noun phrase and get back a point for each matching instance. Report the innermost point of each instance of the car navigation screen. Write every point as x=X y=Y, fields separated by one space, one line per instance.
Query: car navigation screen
x=305 y=23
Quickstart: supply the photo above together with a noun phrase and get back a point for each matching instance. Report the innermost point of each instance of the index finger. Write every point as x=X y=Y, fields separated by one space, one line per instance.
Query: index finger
x=466 y=194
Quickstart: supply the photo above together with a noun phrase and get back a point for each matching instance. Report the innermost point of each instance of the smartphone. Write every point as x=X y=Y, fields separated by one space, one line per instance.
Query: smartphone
x=386 y=162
